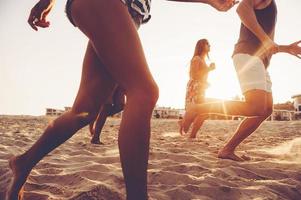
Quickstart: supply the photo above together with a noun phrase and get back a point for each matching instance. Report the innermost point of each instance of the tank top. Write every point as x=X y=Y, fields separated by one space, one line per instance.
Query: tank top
x=248 y=42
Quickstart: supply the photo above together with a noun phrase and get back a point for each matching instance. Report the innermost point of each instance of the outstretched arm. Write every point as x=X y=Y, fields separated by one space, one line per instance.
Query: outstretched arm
x=220 y=5
x=38 y=14
x=293 y=49
x=245 y=11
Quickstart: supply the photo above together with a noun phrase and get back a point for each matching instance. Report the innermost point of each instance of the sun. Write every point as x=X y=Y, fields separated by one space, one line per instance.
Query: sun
x=223 y=83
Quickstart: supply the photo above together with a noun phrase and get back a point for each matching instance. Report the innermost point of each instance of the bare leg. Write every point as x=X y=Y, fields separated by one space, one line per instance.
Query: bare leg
x=246 y=128
x=91 y=127
x=197 y=123
x=99 y=123
x=254 y=106
x=180 y=123
x=94 y=78
x=113 y=35
x=117 y=105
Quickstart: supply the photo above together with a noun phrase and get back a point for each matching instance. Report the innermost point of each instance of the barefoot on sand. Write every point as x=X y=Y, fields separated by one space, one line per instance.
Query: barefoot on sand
x=230 y=156
x=96 y=141
x=15 y=189
x=246 y=158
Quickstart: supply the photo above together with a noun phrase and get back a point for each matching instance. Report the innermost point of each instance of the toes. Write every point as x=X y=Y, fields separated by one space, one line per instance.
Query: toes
x=244 y=157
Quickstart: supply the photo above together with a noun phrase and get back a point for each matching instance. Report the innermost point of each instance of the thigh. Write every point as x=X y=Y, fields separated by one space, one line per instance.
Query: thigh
x=269 y=100
x=115 y=39
x=96 y=84
x=260 y=98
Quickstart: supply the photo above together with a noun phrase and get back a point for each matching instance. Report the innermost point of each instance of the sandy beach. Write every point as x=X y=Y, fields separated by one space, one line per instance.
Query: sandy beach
x=179 y=168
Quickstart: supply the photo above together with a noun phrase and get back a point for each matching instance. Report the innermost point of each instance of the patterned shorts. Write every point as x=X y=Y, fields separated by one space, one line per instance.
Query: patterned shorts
x=138 y=17
x=195 y=93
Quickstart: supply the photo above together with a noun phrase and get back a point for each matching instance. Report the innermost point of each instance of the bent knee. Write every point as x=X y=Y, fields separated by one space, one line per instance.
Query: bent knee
x=154 y=95
x=145 y=96
x=150 y=96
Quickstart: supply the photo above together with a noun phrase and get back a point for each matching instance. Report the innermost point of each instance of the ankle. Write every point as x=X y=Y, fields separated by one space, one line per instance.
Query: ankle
x=227 y=149
x=21 y=160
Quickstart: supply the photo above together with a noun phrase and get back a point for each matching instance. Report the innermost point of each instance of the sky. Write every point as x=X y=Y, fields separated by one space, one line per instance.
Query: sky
x=42 y=69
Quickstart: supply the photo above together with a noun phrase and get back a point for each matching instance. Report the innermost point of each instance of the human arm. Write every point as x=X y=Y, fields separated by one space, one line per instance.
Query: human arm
x=245 y=11
x=293 y=49
x=38 y=14
x=220 y=5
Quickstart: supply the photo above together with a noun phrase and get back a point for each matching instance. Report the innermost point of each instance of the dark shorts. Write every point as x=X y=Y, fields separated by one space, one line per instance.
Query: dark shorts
x=136 y=17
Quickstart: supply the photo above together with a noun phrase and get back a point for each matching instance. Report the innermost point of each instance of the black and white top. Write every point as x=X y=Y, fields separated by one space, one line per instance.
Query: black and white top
x=140 y=7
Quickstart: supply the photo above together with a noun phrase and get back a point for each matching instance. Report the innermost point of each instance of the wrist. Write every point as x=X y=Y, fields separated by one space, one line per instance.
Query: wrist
x=281 y=48
x=277 y=49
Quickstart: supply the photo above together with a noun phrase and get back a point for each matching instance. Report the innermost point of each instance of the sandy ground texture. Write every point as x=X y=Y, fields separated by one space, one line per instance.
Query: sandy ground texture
x=179 y=168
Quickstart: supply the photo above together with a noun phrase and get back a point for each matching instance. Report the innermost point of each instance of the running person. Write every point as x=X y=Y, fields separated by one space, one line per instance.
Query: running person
x=111 y=27
x=197 y=84
x=251 y=59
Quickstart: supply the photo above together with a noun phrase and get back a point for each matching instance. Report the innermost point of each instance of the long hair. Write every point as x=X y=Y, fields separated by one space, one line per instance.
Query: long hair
x=199 y=48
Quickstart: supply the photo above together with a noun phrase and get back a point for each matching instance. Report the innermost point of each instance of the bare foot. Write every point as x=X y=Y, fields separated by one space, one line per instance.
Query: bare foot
x=229 y=155
x=15 y=189
x=96 y=141
x=247 y=158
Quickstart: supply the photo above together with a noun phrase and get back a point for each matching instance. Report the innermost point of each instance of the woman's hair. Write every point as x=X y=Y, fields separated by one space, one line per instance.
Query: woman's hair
x=199 y=48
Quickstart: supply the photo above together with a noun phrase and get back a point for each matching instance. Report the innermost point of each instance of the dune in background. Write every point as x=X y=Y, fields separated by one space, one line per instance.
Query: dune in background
x=179 y=168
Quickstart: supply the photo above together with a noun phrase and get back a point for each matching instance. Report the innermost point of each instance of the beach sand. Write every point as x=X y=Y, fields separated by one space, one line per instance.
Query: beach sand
x=179 y=168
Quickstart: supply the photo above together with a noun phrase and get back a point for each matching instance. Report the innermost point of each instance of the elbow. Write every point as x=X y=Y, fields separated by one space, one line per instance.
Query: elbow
x=239 y=10
x=243 y=8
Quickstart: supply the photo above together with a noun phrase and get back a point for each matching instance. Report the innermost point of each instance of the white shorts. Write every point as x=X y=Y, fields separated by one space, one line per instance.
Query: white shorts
x=251 y=73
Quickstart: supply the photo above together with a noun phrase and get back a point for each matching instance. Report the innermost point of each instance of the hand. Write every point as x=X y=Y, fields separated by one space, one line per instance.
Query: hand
x=38 y=14
x=212 y=66
x=294 y=49
x=223 y=5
